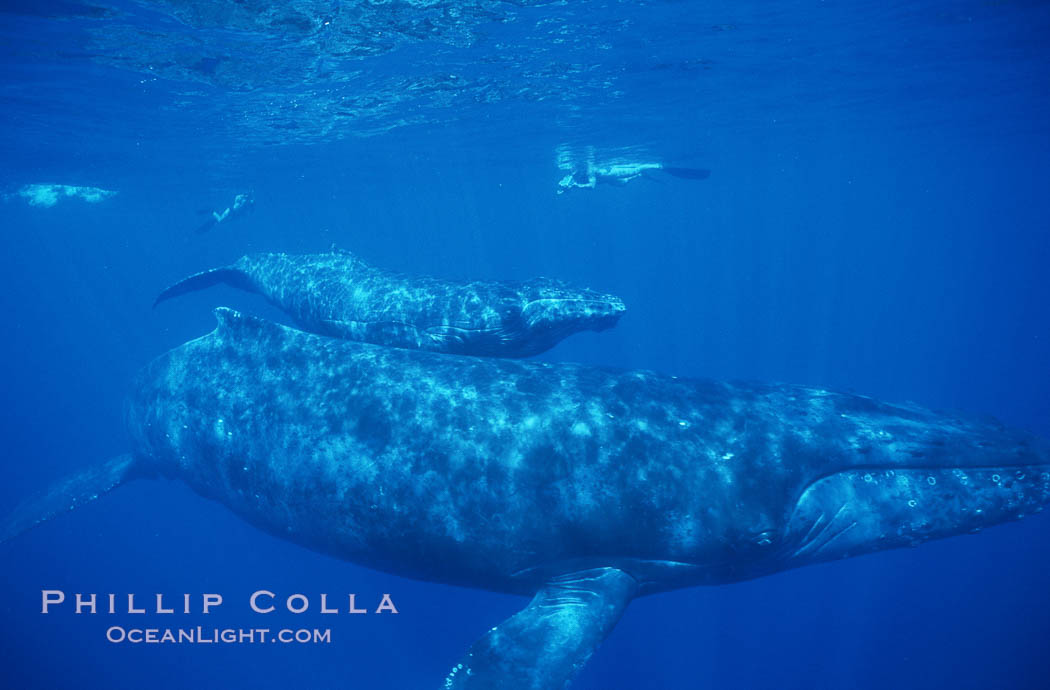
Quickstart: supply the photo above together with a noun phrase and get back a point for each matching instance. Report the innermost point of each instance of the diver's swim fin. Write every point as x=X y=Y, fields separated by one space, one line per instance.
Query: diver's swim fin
x=688 y=173
x=69 y=493
x=206 y=279
x=544 y=645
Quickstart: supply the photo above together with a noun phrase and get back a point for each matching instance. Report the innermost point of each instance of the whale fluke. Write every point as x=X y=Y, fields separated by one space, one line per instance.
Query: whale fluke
x=206 y=279
x=69 y=493
x=545 y=644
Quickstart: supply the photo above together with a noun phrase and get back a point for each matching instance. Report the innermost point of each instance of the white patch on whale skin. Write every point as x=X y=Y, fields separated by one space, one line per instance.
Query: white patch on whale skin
x=581 y=429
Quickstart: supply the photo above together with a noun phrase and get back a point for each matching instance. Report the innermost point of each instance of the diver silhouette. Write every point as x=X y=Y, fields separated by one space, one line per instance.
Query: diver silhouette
x=242 y=205
x=588 y=175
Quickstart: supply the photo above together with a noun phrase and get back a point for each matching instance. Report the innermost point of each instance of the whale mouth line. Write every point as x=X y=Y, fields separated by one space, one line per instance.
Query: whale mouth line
x=924 y=467
x=823 y=514
x=868 y=470
x=612 y=304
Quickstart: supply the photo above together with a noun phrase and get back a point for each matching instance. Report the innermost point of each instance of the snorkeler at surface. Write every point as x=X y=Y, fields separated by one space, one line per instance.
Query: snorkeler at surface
x=585 y=172
x=242 y=205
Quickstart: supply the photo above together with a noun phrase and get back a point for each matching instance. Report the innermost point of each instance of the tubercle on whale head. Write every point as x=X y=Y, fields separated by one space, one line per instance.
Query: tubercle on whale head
x=573 y=314
x=553 y=305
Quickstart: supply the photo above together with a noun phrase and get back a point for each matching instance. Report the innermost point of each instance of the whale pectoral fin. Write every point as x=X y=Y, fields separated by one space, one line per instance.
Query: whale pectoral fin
x=544 y=645
x=444 y=338
x=69 y=493
x=350 y=330
x=392 y=333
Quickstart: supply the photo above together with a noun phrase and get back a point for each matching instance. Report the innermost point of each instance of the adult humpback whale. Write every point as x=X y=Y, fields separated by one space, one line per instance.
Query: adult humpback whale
x=581 y=487
x=338 y=294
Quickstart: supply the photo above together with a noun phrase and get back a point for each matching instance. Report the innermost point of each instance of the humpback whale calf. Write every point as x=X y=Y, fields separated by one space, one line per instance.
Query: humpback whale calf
x=580 y=487
x=339 y=295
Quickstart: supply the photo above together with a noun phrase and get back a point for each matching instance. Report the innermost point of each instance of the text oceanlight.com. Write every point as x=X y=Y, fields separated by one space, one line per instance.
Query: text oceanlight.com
x=201 y=635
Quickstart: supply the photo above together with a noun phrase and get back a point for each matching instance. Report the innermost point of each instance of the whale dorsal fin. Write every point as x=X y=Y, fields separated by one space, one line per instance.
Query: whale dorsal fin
x=545 y=644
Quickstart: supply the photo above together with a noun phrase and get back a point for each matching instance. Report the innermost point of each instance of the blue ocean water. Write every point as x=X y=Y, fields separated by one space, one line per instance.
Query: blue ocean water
x=875 y=220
